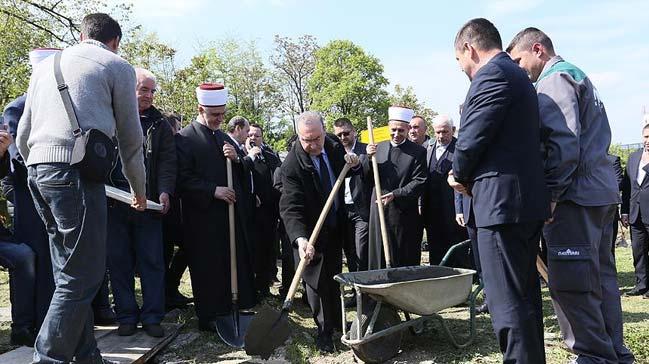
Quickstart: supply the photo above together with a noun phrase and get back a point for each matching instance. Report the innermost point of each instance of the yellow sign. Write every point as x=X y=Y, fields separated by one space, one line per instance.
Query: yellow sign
x=380 y=134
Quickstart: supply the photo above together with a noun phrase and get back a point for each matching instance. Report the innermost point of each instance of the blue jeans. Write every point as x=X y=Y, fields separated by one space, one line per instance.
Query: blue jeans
x=74 y=213
x=19 y=259
x=135 y=241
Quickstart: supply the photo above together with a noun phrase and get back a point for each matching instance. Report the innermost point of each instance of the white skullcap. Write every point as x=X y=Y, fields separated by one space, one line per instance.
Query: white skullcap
x=39 y=54
x=400 y=113
x=212 y=94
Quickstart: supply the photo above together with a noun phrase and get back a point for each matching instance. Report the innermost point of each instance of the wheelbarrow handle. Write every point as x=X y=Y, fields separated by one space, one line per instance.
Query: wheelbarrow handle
x=315 y=233
x=379 y=192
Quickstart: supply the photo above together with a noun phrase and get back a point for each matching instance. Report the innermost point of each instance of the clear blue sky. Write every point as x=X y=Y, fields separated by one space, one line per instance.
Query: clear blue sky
x=609 y=40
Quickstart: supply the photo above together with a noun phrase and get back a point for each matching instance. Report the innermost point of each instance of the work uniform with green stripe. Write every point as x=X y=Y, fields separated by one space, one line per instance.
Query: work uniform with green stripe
x=576 y=136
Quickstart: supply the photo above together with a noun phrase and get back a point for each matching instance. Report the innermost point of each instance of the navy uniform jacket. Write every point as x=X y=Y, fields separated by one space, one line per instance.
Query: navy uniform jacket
x=498 y=146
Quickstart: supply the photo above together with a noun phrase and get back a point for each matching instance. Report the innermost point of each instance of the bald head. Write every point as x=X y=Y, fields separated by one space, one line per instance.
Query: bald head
x=310 y=130
x=418 y=129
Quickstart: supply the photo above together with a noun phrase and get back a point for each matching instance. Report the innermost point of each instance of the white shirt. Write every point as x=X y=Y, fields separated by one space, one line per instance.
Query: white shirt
x=439 y=150
x=348 y=192
x=641 y=172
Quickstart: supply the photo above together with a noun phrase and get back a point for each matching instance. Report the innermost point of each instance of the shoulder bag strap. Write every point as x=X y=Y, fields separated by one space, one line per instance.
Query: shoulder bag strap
x=65 y=96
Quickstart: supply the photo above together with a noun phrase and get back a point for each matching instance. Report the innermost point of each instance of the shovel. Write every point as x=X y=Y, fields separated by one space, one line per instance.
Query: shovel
x=379 y=192
x=232 y=327
x=269 y=329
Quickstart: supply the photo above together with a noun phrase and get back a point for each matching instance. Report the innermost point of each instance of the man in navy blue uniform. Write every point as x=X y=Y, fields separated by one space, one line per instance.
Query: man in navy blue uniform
x=497 y=161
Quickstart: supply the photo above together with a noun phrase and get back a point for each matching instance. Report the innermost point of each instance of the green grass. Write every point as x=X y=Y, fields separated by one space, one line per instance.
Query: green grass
x=432 y=346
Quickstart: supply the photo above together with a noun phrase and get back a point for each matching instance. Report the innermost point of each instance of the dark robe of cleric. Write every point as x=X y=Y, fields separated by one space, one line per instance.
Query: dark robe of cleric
x=201 y=169
x=402 y=170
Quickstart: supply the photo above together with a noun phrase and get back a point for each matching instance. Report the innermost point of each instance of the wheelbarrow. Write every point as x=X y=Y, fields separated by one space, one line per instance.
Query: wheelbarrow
x=377 y=328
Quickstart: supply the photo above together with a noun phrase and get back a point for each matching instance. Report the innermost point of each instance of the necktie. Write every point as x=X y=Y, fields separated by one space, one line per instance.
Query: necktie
x=325 y=180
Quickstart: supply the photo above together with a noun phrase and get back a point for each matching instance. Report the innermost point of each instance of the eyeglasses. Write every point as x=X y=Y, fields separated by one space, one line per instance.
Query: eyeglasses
x=343 y=134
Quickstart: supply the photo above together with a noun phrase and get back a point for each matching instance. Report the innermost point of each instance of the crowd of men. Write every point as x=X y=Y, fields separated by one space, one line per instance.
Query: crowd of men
x=529 y=161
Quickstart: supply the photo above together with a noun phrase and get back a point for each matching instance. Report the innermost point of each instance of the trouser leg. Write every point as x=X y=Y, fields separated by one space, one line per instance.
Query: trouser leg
x=150 y=264
x=581 y=287
x=507 y=257
x=74 y=213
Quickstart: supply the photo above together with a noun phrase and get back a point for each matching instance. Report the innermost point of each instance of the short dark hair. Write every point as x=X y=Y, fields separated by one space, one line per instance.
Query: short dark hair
x=239 y=121
x=419 y=117
x=527 y=37
x=481 y=33
x=100 y=27
x=255 y=125
x=342 y=122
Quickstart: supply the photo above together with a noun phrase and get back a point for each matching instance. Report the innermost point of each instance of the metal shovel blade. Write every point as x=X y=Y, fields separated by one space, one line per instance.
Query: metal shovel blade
x=232 y=327
x=267 y=331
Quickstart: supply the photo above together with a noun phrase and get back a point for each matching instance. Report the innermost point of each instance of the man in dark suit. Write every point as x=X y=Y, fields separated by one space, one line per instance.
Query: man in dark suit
x=619 y=177
x=497 y=161
x=308 y=175
x=357 y=201
x=575 y=138
x=635 y=213
x=402 y=170
x=264 y=163
x=438 y=202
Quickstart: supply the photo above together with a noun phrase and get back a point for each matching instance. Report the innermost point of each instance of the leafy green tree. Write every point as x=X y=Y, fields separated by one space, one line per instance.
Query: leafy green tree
x=348 y=82
x=406 y=97
x=26 y=24
x=294 y=63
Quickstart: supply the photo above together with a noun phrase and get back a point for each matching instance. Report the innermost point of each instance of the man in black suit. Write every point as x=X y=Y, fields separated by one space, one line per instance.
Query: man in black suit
x=264 y=163
x=635 y=213
x=438 y=205
x=308 y=175
x=357 y=202
x=402 y=169
x=497 y=161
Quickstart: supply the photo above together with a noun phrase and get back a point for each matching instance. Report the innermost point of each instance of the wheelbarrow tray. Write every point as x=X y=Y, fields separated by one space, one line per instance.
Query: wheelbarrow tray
x=422 y=290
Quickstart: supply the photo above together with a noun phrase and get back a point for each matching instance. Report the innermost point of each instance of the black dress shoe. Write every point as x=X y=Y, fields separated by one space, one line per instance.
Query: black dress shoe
x=645 y=296
x=325 y=343
x=22 y=336
x=635 y=292
x=126 y=329
x=154 y=330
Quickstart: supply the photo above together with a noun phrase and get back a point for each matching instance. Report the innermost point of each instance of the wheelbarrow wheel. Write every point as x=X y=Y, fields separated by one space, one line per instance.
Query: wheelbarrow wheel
x=383 y=348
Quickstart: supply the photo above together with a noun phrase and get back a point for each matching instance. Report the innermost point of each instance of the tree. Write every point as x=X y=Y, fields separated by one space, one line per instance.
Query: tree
x=406 y=97
x=348 y=82
x=294 y=62
x=26 y=24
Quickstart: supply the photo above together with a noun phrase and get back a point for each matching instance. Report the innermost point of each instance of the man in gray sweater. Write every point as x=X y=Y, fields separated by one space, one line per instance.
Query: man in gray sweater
x=102 y=89
x=575 y=135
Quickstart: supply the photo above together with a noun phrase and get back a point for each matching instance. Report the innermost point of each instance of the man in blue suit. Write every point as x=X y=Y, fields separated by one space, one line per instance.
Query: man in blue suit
x=497 y=161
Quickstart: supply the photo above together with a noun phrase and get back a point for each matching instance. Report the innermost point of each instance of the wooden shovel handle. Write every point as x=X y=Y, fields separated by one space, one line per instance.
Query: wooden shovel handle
x=234 y=282
x=379 y=192
x=542 y=269
x=316 y=232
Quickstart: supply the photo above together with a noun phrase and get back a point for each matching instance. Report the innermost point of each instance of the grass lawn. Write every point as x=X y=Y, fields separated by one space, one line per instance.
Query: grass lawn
x=192 y=346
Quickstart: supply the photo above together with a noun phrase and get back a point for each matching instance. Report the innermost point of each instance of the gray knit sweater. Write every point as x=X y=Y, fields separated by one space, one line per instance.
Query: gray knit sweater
x=102 y=89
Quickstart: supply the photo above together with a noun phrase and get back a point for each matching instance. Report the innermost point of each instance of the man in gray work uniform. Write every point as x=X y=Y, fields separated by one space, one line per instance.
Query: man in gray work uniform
x=575 y=135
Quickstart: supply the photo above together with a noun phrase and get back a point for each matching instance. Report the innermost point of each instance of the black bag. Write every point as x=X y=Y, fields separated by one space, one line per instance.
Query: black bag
x=94 y=152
